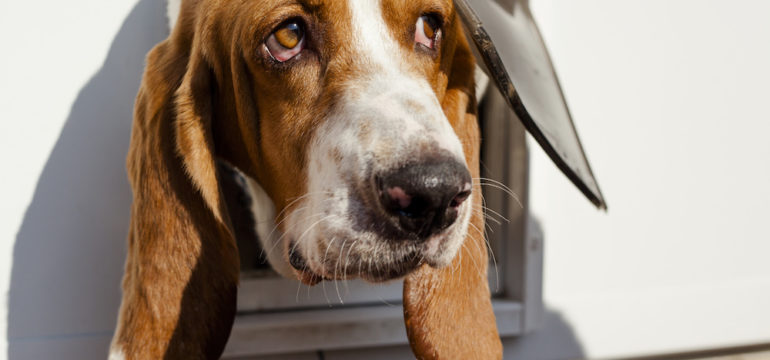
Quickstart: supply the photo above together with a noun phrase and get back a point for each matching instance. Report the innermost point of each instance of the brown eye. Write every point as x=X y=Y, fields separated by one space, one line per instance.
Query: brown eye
x=428 y=28
x=427 y=31
x=289 y=35
x=286 y=42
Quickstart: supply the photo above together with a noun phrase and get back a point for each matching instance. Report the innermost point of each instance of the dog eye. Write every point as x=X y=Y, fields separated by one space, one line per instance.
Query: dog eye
x=427 y=31
x=286 y=42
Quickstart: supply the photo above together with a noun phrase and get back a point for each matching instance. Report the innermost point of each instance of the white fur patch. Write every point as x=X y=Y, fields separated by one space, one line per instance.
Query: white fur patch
x=116 y=353
x=172 y=12
x=263 y=209
x=377 y=46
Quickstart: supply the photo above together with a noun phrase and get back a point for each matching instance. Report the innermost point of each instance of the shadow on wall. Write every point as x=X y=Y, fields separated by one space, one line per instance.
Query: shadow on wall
x=553 y=340
x=69 y=252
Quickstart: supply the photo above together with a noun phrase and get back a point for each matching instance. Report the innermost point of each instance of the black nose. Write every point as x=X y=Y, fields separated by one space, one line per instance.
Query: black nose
x=424 y=197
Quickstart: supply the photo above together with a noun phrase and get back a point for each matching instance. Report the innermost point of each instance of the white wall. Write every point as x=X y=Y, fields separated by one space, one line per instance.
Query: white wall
x=69 y=72
x=671 y=101
x=669 y=98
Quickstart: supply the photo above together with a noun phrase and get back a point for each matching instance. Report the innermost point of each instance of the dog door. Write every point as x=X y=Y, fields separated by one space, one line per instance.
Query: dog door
x=278 y=315
x=510 y=46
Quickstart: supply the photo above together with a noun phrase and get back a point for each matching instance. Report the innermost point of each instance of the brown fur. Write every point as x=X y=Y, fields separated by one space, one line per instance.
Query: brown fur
x=208 y=93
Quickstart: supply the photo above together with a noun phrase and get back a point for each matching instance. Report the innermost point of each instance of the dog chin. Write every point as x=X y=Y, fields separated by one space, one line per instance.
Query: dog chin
x=438 y=251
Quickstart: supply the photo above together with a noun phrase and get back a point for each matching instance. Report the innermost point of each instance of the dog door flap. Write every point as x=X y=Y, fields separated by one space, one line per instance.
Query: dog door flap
x=518 y=62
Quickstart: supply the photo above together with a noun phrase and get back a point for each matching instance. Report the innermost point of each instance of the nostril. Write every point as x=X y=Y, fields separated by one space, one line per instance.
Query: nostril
x=459 y=198
x=417 y=208
x=398 y=201
x=399 y=197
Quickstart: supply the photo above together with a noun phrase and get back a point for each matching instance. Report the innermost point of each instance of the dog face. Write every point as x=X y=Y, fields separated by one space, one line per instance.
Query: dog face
x=349 y=138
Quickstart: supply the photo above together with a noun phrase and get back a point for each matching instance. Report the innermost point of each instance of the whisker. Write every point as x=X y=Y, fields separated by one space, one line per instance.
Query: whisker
x=496 y=182
x=294 y=200
x=482 y=207
x=342 y=249
x=299 y=239
x=476 y=228
x=459 y=263
x=276 y=228
x=475 y=264
x=278 y=241
x=288 y=206
x=345 y=268
x=500 y=186
x=382 y=300
x=481 y=213
x=360 y=263
x=296 y=298
x=369 y=260
x=323 y=269
x=347 y=260
x=492 y=254
x=487 y=209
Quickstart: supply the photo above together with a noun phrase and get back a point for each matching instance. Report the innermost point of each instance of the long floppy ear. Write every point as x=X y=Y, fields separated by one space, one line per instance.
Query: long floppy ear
x=448 y=312
x=181 y=275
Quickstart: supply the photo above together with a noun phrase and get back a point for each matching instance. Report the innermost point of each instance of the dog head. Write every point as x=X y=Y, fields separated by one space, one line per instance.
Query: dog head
x=368 y=176
x=357 y=122
x=338 y=113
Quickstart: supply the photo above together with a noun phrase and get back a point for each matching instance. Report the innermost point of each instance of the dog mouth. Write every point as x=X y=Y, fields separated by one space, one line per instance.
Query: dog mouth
x=385 y=265
x=405 y=266
x=304 y=274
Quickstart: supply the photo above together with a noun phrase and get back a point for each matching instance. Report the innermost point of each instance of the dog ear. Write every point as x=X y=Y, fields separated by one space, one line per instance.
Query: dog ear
x=447 y=311
x=181 y=274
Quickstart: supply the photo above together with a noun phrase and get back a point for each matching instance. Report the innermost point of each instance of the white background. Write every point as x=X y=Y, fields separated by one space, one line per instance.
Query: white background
x=670 y=99
x=671 y=102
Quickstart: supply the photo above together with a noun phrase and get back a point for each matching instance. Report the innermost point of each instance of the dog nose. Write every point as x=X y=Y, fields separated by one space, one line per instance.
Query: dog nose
x=425 y=197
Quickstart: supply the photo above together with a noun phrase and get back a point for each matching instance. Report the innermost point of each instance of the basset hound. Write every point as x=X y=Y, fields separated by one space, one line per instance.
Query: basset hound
x=355 y=122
